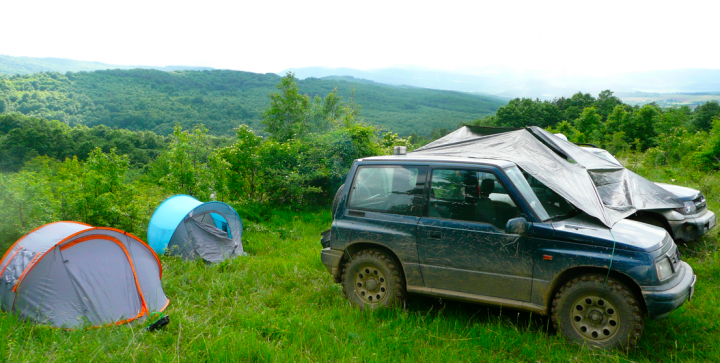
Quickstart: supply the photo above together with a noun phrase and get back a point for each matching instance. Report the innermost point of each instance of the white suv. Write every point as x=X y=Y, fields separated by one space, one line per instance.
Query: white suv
x=685 y=224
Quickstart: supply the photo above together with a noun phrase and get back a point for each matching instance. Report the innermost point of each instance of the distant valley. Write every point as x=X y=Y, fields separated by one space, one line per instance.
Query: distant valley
x=403 y=100
x=28 y=65
x=148 y=99
x=510 y=84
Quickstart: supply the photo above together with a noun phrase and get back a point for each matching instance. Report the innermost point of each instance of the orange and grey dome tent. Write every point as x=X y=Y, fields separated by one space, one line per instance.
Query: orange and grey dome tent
x=70 y=274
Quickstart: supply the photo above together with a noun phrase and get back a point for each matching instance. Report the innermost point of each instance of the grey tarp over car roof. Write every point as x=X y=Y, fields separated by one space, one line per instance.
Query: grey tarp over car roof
x=69 y=274
x=601 y=189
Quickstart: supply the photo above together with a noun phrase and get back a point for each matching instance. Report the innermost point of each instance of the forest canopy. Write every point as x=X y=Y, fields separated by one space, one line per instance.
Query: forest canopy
x=152 y=100
x=667 y=135
x=62 y=169
x=114 y=177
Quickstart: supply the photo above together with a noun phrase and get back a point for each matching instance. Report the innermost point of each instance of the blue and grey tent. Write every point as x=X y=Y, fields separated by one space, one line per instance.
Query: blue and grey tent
x=186 y=227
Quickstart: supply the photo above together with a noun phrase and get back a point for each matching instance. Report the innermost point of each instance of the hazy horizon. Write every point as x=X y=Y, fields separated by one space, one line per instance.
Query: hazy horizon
x=557 y=39
x=502 y=83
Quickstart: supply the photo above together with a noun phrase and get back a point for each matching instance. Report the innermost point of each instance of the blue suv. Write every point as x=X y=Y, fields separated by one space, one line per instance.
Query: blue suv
x=483 y=231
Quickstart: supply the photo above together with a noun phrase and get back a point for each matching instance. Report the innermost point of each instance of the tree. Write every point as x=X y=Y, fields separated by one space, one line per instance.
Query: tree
x=187 y=159
x=243 y=158
x=606 y=103
x=26 y=202
x=289 y=113
x=590 y=124
x=617 y=143
x=704 y=114
x=438 y=133
x=97 y=192
x=616 y=120
x=641 y=127
x=676 y=117
x=574 y=106
x=709 y=156
x=527 y=112
x=568 y=130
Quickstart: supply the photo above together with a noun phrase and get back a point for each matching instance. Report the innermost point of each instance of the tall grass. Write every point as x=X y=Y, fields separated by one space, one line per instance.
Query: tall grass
x=278 y=304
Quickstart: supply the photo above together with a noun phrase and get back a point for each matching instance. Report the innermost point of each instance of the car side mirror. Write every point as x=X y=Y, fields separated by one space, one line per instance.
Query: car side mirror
x=517 y=226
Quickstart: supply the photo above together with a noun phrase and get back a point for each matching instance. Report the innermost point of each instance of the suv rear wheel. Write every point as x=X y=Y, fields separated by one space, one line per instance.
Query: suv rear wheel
x=372 y=279
x=586 y=310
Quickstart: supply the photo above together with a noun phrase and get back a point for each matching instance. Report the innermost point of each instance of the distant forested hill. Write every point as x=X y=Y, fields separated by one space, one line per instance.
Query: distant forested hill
x=28 y=65
x=142 y=99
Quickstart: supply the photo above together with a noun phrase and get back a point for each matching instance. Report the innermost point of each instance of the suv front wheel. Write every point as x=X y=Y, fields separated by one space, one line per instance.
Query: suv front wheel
x=605 y=315
x=372 y=279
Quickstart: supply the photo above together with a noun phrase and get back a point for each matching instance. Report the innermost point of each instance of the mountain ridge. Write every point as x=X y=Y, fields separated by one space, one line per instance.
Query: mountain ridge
x=10 y=65
x=143 y=99
x=511 y=84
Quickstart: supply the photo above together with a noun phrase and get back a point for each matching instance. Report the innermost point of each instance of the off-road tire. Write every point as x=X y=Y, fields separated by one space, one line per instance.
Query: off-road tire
x=629 y=312
x=366 y=263
x=336 y=201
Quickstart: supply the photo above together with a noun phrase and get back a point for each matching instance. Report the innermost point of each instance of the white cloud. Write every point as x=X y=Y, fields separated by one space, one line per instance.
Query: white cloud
x=568 y=37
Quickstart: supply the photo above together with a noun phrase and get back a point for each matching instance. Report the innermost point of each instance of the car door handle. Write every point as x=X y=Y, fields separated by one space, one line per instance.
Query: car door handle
x=435 y=235
x=356 y=213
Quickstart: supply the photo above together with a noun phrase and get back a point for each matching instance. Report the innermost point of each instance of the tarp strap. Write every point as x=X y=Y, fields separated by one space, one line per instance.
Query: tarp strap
x=612 y=257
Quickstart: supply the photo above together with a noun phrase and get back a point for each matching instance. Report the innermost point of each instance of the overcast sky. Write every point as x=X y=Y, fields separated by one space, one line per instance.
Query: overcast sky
x=576 y=37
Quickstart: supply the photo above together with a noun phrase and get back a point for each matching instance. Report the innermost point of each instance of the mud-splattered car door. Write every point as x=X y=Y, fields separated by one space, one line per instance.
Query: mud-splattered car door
x=462 y=245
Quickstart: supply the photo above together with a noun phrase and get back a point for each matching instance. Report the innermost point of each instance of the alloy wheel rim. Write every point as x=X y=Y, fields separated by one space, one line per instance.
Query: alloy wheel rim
x=370 y=284
x=595 y=318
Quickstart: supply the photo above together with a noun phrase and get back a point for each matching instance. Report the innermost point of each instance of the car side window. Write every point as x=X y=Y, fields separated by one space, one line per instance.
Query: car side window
x=389 y=189
x=470 y=195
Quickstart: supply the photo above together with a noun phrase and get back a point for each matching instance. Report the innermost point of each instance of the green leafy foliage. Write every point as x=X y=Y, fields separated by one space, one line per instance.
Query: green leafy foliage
x=23 y=138
x=589 y=125
x=186 y=163
x=704 y=114
x=522 y=112
x=152 y=100
x=311 y=147
x=96 y=191
x=26 y=201
x=669 y=136
x=298 y=165
x=289 y=113
x=292 y=311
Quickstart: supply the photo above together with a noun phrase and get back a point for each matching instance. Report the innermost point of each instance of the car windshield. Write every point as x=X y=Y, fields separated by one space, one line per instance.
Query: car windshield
x=547 y=204
x=527 y=192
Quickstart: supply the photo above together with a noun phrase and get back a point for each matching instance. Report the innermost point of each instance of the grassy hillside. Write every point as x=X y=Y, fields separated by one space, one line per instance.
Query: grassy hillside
x=154 y=100
x=279 y=304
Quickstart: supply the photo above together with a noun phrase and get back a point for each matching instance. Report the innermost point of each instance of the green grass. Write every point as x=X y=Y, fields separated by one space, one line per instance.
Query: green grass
x=279 y=304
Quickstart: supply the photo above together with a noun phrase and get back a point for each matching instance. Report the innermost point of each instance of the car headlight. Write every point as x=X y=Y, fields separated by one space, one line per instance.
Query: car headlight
x=664 y=268
x=688 y=208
